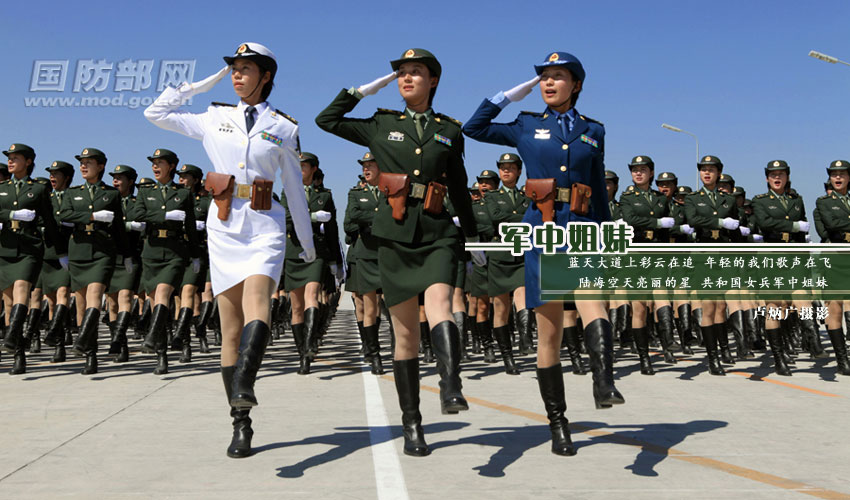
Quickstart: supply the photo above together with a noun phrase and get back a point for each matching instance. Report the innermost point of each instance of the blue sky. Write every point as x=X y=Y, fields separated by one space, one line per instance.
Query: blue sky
x=736 y=74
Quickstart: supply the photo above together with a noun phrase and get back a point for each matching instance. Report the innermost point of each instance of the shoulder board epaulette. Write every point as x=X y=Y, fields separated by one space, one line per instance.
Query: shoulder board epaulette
x=281 y=113
x=449 y=118
x=532 y=113
x=824 y=196
x=793 y=195
x=385 y=111
x=760 y=196
x=692 y=193
x=214 y=103
x=589 y=119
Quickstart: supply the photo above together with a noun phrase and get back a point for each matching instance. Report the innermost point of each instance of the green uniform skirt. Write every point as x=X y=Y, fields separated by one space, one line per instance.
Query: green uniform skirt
x=122 y=280
x=460 y=280
x=478 y=281
x=13 y=269
x=351 y=284
x=406 y=270
x=53 y=276
x=85 y=272
x=298 y=273
x=505 y=276
x=368 y=275
x=156 y=272
x=190 y=277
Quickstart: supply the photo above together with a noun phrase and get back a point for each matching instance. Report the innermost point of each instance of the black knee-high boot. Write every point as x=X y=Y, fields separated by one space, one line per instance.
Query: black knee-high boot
x=599 y=338
x=201 y=326
x=86 y=344
x=460 y=321
x=156 y=338
x=251 y=350
x=686 y=335
x=571 y=340
x=240 y=443
x=551 y=383
x=485 y=334
x=56 y=330
x=425 y=342
x=811 y=339
x=735 y=324
x=502 y=335
x=31 y=332
x=709 y=335
x=406 y=375
x=723 y=344
x=300 y=336
x=665 y=333
x=837 y=338
x=311 y=332
x=373 y=349
x=445 y=339
x=183 y=332
x=122 y=323
x=697 y=325
x=641 y=336
x=774 y=339
x=526 y=341
x=15 y=333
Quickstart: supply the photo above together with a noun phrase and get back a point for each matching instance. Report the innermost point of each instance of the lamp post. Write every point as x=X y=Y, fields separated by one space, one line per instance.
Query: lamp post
x=826 y=58
x=677 y=129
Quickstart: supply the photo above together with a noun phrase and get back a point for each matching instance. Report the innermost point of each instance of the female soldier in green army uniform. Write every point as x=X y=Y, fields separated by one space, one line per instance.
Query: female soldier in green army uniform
x=834 y=210
x=98 y=242
x=22 y=202
x=303 y=280
x=56 y=280
x=191 y=177
x=506 y=273
x=647 y=211
x=418 y=249
x=488 y=181
x=123 y=284
x=619 y=311
x=167 y=209
x=714 y=216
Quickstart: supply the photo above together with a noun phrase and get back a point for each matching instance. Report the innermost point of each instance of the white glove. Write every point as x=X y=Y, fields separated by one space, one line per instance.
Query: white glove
x=745 y=231
x=519 y=92
x=308 y=255
x=321 y=228
x=196 y=265
x=63 y=261
x=1 y=225
x=373 y=87
x=478 y=257
x=23 y=214
x=321 y=216
x=336 y=271
x=200 y=225
x=207 y=83
x=68 y=224
x=128 y=265
x=666 y=222
x=808 y=239
x=619 y=221
x=758 y=238
x=686 y=229
x=803 y=225
x=137 y=226
x=456 y=221
x=103 y=216
x=175 y=215
x=730 y=223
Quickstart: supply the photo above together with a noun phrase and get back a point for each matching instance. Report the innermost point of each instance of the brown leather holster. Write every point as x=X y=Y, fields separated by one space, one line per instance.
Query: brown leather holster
x=261 y=194
x=542 y=193
x=579 y=198
x=395 y=187
x=434 y=198
x=220 y=187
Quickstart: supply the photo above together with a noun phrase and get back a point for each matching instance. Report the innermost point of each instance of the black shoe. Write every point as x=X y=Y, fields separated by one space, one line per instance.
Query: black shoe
x=406 y=375
x=445 y=338
x=156 y=330
x=599 y=339
x=642 y=341
x=240 y=443
x=526 y=340
x=56 y=330
x=572 y=340
x=373 y=349
x=87 y=339
x=251 y=350
x=503 y=340
x=15 y=332
x=90 y=367
x=143 y=323
x=709 y=334
x=624 y=320
x=551 y=383
x=58 y=353
x=774 y=339
x=161 y=362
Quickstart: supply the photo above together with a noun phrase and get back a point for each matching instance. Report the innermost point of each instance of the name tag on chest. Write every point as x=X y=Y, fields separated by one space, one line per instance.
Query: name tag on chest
x=396 y=136
x=541 y=133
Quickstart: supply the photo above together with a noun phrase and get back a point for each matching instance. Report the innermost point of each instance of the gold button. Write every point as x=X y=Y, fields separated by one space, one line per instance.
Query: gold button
x=651 y=212
x=241 y=165
x=15 y=203
x=437 y=119
x=715 y=212
x=565 y=146
x=418 y=151
x=786 y=217
x=416 y=172
x=514 y=211
x=90 y=207
x=163 y=207
x=376 y=209
x=563 y=168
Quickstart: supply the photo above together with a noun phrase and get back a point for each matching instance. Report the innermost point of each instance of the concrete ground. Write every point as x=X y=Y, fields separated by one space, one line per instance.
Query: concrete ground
x=335 y=434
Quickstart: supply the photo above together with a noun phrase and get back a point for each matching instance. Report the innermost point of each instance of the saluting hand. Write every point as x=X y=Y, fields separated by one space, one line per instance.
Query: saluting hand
x=23 y=214
x=175 y=215
x=103 y=216
x=207 y=83
x=373 y=87
x=519 y=92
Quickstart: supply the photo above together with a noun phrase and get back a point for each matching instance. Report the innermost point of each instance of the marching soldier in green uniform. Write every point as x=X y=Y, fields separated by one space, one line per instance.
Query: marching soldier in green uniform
x=685 y=234
x=816 y=217
x=618 y=310
x=123 y=285
x=488 y=181
x=612 y=184
x=506 y=273
x=303 y=280
x=22 y=245
x=56 y=280
x=98 y=241
x=781 y=218
x=191 y=177
x=167 y=209
x=714 y=216
x=834 y=210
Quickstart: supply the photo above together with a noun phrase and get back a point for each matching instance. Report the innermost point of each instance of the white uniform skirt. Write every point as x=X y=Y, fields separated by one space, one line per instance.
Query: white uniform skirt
x=234 y=257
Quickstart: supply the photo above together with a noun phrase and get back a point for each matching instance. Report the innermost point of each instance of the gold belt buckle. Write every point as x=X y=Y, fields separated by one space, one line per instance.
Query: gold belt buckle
x=715 y=234
x=162 y=233
x=649 y=234
x=89 y=227
x=243 y=191
x=847 y=237
x=786 y=237
x=417 y=190
x=563 y=194
x=16 y=224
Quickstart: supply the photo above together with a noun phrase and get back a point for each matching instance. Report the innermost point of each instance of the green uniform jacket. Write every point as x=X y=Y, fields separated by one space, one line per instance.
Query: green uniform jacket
x=818 y=220
x=500 y=209
x=26 y=238
x=166 y=240
x=202 y=209
x=835 y=217
x=616 y=210
x=775 y=222
x=704 y=216
x=90 y=239
x=327 y=243
x=677 y=211
x=351 y=230
x=63 y=233
x=391 y=136
x=482 y=219
x=135 y=239
x=362 y=206
x=643 y=214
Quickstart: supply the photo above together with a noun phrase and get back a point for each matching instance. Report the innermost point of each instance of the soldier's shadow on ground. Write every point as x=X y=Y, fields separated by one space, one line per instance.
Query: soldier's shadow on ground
x=346 y=441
